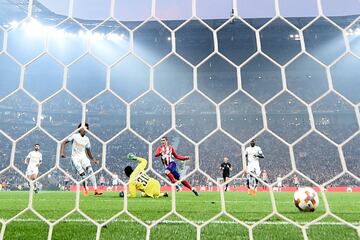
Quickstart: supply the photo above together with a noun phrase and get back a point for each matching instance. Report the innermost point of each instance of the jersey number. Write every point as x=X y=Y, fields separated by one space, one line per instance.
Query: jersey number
x=143 y=179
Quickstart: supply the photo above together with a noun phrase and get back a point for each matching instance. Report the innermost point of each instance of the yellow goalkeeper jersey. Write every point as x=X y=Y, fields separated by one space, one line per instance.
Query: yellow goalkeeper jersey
x=139 y=180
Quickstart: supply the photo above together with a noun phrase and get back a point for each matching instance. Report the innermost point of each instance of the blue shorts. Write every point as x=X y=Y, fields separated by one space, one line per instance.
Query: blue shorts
x=172 y=168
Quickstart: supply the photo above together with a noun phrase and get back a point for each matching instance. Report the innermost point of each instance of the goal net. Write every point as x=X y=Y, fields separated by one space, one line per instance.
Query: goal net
x=210 y=76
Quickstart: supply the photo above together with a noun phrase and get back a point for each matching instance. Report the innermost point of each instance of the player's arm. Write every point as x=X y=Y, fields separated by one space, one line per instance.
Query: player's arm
x=89 y=154
x=27 y=159
x=158 y=152
x=260 y=154
x=221 y=166
x=142 y=162
x=40 y=160
x=62 y=148
x=178 y=156
x=230 y=167
x=246 y=161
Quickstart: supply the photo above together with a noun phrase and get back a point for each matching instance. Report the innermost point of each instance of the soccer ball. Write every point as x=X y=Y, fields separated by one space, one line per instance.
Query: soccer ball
x=306 y=199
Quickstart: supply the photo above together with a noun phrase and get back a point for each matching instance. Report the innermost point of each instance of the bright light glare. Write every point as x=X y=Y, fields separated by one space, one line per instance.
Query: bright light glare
x=36 y=28
x=355 y=31
x=14 y=24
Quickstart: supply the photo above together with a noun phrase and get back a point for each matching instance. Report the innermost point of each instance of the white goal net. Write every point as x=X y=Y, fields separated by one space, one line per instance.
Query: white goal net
x=209 y=80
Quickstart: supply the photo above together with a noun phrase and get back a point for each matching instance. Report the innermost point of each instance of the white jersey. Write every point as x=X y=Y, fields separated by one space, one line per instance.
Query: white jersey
x=296 y=180
x=265 y=177
x=114 y=182
x=34 y=158
x=67 y=178
x=252 y=154
x=279 y=181
x=253 y=159
x=79 y=144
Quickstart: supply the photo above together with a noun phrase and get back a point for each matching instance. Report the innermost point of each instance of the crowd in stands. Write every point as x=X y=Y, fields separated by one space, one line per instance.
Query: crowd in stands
x=196 y=117
x=320 y=166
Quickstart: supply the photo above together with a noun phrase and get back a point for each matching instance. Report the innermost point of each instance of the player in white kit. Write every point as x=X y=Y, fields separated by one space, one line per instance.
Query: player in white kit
x=33 y=160
x=115 y=182
x=81 y=156
x=252 y=155
x=279 y=182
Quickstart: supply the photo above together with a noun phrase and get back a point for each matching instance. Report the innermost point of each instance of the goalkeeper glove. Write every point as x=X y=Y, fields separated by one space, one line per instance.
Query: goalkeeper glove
x=131 y=156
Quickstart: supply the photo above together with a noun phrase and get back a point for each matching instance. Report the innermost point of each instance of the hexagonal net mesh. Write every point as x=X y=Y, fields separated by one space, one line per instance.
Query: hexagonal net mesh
x=211 y=81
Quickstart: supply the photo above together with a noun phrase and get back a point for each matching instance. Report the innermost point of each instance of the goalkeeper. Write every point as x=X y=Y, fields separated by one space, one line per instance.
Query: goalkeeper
x=139 y=180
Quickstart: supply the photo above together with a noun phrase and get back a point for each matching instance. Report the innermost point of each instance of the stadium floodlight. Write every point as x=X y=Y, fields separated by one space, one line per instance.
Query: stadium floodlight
x=14 y=24
x=114 y=37
x=34 y=27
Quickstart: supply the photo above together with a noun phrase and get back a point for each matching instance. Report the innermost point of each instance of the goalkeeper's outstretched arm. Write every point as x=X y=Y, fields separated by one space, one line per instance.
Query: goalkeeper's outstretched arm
x=140 y=160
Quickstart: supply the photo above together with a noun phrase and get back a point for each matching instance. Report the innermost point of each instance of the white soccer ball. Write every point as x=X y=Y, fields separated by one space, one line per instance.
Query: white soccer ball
x=306 y=199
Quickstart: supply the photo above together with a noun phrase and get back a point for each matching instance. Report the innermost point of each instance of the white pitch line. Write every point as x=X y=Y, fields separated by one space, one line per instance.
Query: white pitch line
x=154 y=200
x=181 y=222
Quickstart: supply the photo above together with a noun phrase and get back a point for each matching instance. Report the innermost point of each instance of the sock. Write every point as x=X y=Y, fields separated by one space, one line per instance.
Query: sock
x=186 y=184
x=93 y=181
x=92 y=177
x=82 y=175
x=171 y=177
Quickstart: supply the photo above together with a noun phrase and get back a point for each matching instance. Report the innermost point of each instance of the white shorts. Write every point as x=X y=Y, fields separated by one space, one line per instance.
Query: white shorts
x=31 y=170
x=81 y=163
x=254 y=168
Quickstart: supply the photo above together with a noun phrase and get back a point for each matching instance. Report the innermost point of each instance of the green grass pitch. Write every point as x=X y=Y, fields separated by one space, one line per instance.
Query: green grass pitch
x=249 y=209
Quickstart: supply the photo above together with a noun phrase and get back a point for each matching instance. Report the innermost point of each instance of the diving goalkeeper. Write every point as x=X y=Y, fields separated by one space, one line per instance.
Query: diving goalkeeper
x=139 y=180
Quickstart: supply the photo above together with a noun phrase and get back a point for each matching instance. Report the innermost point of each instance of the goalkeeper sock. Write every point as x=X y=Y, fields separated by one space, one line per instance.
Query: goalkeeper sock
x=186 y=184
